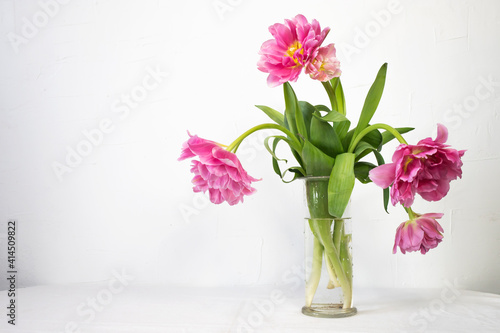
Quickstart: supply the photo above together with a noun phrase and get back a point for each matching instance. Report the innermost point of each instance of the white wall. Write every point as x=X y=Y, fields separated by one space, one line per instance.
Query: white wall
x=128 y=203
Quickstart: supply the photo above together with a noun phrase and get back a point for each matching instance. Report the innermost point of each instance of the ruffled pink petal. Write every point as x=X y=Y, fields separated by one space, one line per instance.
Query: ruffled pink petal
x=397 y=239
x=383 y=175
x=442 y=134
x=432 y=215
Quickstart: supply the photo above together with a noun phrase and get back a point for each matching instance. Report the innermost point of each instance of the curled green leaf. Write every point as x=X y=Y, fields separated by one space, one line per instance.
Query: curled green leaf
x=341 y=184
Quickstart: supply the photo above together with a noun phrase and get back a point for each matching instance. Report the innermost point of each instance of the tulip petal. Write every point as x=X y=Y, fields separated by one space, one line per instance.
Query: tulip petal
x=442 y=134
x=383 y=175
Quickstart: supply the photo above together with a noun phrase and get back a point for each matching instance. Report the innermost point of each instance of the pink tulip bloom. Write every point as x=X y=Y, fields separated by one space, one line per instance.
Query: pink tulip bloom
x=422 y=233
x=426 y=168
x=325 y=65
x=293 y=47
x=218 y=171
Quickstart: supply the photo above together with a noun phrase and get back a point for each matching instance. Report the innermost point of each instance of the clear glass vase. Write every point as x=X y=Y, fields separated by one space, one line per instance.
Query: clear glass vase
x=328 y=255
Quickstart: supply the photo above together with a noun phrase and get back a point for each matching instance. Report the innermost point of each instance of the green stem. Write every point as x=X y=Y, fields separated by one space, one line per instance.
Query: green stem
x=370 y=128
x=331 y=93
x=334 y=280
x=345 y=255
x=235 y=144
x=410 y=212
x=323 y=231
x=313 y=281
x=338 y=231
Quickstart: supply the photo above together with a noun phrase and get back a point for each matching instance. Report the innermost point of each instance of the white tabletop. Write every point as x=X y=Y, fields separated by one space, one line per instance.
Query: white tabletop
x=108 y=307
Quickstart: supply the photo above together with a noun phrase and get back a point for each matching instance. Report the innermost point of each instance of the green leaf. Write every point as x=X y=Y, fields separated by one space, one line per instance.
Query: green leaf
x=276 y=116
x=387 y=136
x=374 y=138
x=341 y=184
x=307 y=111
x=362 y=149
x=316 y=162
x=321 y=107
x=276 y=166
x=361 y=171
x=324 y=137
x=339 y=95
x=372 y=100
x=346 y=141
x=380 y=161
x=334 y=116
x=371 y=141
x=342 y=129
x=298 y=157
x=299 y=172
x=290 y=107
x=294 y=116
x=301 y=124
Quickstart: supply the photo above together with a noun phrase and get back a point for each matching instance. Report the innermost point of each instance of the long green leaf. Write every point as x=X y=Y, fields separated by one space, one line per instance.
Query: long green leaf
x=362 y=149
x=297 y=171
x=372 y=100
x=275 y=159
x=342 y=129
x=361 y=171
x=316 y=162
x=301 y=123
x=341 y=184
x=324 y=137
x=371 y=141
x=339 y=95
x=374 y=138
x=346 y=141
x=334 y=116
x=321 y=107
x=307 y=110
x=290 y=107
x=276 y=116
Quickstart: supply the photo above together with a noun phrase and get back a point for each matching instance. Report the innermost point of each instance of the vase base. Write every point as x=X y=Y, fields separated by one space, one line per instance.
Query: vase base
x=328 y=311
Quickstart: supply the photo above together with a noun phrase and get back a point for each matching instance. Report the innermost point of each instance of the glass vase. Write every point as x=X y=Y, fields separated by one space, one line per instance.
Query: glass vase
x=328 y=255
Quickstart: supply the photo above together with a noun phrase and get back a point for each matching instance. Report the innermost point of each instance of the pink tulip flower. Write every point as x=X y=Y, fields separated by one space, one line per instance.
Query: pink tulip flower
x=218 y=171
x=426 y=168
x=325 y=65
x=293 y=47
x=421 y=233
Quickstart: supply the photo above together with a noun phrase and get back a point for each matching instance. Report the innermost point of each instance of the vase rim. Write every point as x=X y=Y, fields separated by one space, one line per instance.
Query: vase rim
x=315 y=177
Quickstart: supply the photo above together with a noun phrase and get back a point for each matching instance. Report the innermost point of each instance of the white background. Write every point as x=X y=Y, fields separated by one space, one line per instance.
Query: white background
x=127 y=204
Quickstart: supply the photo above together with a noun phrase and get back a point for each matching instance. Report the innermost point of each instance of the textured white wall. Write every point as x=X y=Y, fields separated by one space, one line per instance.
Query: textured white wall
x=121 y=82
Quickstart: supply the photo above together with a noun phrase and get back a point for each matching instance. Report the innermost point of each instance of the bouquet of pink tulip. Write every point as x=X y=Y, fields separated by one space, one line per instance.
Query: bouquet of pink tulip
x=322 y=141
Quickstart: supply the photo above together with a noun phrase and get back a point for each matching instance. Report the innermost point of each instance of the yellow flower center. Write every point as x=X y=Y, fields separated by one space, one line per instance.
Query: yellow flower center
x=408 y=161
x=292 y=49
